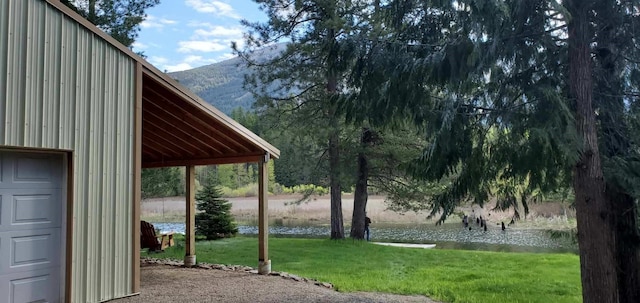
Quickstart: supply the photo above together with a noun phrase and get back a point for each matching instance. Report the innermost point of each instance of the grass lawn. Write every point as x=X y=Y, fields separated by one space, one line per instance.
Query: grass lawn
x=445 y=275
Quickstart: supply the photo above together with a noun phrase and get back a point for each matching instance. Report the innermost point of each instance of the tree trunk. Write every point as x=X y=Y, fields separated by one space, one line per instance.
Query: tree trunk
x=92 y=17
x=596 y=223
x=627 y=245
x=360 y=196
x=615 y=143
x=337 y=224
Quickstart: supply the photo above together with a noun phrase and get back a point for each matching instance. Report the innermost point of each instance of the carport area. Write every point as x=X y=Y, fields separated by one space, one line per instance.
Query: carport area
x=176 y=128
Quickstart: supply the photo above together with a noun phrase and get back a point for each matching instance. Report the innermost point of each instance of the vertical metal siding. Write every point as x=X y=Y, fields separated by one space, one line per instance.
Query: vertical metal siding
x=4 y=38
x=62 y=87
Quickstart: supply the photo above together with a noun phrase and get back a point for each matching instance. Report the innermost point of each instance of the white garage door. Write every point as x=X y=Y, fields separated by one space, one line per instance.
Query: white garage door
x=31 y=211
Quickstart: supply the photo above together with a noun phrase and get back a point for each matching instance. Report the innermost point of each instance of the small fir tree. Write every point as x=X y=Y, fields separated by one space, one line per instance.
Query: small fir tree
x=215 y=220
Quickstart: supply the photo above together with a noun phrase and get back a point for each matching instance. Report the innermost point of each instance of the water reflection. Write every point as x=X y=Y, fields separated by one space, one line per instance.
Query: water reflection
x=450 y=236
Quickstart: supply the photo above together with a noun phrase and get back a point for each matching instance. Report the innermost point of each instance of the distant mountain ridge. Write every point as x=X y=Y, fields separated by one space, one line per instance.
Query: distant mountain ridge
x=220 y=84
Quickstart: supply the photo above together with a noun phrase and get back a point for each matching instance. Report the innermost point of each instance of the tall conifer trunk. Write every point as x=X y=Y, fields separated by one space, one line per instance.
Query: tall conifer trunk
x=596 y=223
x=361 y=195
x=92 y=12
x=627 y=242
x=337 y=224
x=616 y=144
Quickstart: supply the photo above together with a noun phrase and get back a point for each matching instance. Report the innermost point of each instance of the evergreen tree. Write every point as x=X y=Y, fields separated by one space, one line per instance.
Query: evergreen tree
x=214 y=221
x=162 y=182
x=307 y=77
x=539 y=93
x=119 y=18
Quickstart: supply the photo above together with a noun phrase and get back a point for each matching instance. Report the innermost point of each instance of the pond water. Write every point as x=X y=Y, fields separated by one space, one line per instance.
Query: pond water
x=447 y=236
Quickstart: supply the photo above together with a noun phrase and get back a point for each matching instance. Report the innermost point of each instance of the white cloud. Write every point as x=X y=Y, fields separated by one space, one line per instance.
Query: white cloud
x=218 y=31
x=201 y=46
x=157 y=61
x=138 y=46
x=191 y=59
x=211 y=38
x=178 y=67
x=154 y=22
x=188 y=62
x=213 y=6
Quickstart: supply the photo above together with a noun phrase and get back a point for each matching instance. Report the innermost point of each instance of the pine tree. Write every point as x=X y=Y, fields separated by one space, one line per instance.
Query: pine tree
x=119 y=18
x=308 y=76
x=214 y=221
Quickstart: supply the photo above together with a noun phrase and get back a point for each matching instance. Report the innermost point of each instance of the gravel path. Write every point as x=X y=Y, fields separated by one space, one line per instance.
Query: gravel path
x=163 y=283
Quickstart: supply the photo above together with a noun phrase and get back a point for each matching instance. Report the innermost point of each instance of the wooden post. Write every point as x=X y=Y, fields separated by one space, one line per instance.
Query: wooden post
x=264 y=264
x=190 y=233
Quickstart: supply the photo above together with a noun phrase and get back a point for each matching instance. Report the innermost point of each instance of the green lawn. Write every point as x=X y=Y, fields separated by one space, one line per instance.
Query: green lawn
x=446 y=275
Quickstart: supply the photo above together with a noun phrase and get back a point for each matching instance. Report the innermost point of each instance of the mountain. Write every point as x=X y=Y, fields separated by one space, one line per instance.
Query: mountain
x=220 y=83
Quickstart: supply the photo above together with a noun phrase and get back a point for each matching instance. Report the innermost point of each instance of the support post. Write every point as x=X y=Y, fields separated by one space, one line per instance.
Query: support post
x=264 y=264
x=190 y=233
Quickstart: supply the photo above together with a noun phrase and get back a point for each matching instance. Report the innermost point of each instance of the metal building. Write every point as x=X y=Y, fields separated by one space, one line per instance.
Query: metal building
x=80 y=116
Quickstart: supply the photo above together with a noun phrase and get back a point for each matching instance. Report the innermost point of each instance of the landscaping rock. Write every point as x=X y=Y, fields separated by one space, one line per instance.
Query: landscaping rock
x=237 y=268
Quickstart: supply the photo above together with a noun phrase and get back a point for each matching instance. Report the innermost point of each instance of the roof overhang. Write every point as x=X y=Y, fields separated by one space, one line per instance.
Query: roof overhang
x=178 y=127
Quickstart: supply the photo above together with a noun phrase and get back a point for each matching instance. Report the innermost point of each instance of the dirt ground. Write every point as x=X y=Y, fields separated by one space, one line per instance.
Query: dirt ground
x=163 y=283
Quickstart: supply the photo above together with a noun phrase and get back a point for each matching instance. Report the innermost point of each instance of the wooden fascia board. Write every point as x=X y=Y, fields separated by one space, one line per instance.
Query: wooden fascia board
x=247 y=158
x=168 y=82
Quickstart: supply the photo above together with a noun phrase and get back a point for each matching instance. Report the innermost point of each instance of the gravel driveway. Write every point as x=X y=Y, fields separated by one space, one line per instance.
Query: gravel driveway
x=164 y=283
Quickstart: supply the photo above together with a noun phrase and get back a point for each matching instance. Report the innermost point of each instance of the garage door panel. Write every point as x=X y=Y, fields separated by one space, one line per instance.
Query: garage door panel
x=30 y=250
x=31 y=227
x=34 y=209
x=31 y=170
x=38 y=286
x=23 y=209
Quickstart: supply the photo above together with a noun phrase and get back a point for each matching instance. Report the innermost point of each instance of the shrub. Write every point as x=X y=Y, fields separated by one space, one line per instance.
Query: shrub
x=215 y=220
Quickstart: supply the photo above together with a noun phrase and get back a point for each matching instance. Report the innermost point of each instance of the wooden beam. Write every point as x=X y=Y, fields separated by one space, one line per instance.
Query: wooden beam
x=246 y=158
x=211 y=111
x=163 y=140
x=264 y=264
x=186 y=137
x=137 y=183
x=196 y=122
x=190 y=233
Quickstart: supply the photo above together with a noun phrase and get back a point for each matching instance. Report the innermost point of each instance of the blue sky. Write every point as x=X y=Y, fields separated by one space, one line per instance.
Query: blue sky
x=184 y=34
